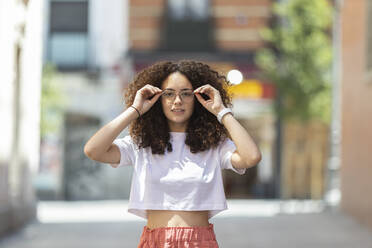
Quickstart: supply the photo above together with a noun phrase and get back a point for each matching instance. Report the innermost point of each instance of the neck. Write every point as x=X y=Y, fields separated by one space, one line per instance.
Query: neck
x=178 y=129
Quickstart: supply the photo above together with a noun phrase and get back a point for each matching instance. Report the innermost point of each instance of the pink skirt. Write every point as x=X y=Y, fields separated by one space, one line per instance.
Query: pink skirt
x=170 y=237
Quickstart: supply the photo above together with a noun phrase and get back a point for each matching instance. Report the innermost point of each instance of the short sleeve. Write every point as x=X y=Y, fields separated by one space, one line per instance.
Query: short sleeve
x=127 y=151
x=226 y=149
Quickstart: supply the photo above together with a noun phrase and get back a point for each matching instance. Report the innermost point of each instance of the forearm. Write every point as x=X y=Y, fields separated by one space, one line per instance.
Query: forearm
x=244 y=143
x=101 y=141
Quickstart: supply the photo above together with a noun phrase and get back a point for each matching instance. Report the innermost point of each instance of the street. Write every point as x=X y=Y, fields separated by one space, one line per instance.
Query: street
x=246 y=224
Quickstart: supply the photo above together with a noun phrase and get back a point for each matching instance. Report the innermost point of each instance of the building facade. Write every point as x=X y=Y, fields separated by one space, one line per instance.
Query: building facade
x=356 y=121
x=20 y=70
x=84 y=40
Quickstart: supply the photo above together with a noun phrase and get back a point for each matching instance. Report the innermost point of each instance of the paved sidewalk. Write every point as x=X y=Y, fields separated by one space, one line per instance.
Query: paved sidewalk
x=246 y=224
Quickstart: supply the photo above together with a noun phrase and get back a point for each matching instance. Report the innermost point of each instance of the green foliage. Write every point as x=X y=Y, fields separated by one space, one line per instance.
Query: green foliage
x=299 y=58
x=52 y=103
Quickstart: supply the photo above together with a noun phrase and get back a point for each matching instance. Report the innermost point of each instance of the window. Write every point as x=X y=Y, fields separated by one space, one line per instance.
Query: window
x=189 y=9
x=68 y=40
x=188 y=26
x=69 y=17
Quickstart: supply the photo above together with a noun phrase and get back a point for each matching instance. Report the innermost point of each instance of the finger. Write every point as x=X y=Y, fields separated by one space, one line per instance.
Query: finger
x=207 y=92
x=200 y=99
x=146 y=87
x=157 y=90
x=149 y=88
x=146 y=92
x=209 y=88
x=202 y=87
x=198 y=89
x=151 y=92
x=152 y=88
x=155 y=98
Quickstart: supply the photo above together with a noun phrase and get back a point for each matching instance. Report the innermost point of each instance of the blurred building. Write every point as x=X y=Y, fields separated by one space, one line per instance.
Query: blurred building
x=84 y=40
x=225 y=35
x=356 y=95
x=20 y=70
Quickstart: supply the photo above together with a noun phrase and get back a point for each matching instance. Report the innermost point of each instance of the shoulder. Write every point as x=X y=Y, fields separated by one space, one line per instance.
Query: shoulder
x=226 y=141
x=127 y=140
x=226 y=145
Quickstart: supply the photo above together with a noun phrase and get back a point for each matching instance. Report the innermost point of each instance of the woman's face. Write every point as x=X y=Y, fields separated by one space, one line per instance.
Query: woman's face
x=176 y=101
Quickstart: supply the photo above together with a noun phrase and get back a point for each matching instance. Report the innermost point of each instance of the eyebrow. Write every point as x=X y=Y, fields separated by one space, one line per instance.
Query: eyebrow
x=175 y=90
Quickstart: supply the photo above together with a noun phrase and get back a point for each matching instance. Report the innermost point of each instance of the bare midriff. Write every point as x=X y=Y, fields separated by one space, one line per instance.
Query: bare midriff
x=176 y=218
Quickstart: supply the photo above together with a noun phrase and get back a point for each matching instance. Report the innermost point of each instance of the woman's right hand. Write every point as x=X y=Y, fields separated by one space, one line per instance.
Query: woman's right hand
x=142 y=99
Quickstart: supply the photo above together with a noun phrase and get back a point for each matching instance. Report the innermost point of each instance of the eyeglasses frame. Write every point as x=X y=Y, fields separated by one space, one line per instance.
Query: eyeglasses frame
x=178 y=93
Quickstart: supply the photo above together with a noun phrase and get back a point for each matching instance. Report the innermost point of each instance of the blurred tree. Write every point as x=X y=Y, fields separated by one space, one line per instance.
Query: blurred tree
x=52 y=103
x=298 y=59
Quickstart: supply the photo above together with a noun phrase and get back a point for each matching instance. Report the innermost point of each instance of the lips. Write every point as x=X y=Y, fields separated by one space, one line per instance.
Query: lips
x=178 y=111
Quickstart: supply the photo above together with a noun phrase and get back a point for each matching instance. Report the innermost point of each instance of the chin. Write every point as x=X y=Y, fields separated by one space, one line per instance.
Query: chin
x=178 y=119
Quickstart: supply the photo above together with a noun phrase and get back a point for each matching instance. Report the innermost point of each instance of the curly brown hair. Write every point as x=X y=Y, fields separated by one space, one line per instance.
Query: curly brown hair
x=203 y=130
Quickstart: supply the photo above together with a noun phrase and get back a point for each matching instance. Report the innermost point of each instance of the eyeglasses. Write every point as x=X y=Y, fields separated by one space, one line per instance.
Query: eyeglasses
x=170 y=95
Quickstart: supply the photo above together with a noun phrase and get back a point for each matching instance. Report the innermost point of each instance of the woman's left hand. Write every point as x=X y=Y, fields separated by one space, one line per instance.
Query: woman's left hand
x=214 y=104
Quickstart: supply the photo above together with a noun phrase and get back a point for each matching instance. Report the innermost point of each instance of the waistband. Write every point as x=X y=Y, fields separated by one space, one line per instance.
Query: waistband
x=193 y=233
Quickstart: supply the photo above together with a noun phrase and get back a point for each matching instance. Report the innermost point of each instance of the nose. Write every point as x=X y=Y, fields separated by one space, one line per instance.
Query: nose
x=178 y=99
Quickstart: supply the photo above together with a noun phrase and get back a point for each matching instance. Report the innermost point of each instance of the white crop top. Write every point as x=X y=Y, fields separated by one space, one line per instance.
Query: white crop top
x=177 y=180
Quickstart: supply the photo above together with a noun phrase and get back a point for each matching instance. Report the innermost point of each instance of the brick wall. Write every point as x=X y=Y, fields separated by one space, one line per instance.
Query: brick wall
x=237 y=23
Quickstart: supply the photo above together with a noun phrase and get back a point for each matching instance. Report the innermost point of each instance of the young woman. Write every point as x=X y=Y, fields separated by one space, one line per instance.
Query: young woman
x=182 y=133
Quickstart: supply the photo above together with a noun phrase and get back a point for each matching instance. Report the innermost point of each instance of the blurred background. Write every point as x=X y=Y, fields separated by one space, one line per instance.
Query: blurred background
x=302 y=78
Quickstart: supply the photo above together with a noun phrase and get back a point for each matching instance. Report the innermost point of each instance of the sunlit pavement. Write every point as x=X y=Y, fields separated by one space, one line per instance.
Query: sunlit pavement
x=247 y=223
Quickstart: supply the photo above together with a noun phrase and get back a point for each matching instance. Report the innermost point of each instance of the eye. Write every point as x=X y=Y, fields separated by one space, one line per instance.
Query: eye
x=168 y=94
x=187 y=94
